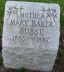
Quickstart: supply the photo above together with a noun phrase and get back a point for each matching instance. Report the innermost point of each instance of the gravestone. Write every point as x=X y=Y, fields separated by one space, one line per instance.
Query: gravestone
x=30 y=35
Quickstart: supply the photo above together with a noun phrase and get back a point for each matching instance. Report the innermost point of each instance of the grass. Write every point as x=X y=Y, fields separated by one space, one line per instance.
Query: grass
x=60 y=62
x=0 y=59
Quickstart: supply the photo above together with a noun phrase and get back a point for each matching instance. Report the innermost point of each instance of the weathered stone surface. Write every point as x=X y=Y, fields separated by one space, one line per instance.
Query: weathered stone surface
x=30 y=35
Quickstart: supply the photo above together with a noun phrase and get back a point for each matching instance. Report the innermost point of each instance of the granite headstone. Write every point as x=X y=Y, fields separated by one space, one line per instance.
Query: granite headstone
x=31 y=34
